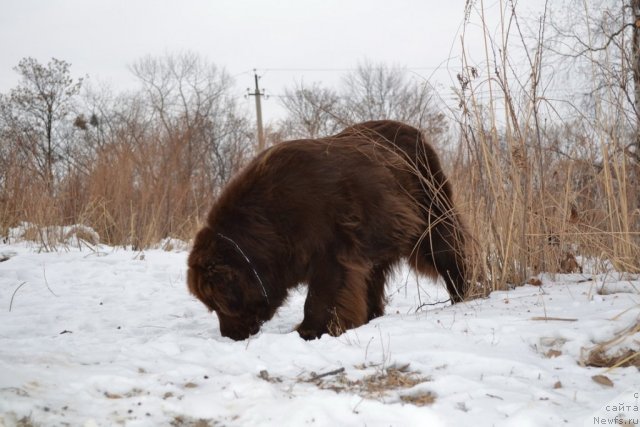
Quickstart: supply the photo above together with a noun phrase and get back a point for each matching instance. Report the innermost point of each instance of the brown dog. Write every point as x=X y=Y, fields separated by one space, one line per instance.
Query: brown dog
x=336 y=213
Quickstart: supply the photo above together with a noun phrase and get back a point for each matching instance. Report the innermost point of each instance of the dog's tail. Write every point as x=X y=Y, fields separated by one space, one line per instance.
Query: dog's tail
x=440 y=249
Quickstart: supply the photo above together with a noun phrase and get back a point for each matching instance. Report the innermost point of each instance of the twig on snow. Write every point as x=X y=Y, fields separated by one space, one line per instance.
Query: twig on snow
x=561 y=319
x=14 y=294
x=423 y=305
x=315 y=376
x=46 y=283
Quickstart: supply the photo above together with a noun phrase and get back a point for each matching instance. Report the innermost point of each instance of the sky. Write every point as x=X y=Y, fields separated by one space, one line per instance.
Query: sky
x=286 y=41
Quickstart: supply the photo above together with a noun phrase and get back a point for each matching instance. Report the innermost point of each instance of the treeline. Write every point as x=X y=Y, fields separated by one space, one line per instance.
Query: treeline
x=143 y=165
x=135 y=166
x=547 y=177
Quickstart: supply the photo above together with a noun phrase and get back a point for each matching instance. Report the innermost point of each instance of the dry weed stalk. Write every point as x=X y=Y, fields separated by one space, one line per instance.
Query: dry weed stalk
x=530 y=208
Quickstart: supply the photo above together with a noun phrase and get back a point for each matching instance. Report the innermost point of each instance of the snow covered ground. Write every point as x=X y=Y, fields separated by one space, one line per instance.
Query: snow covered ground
x=106 y=336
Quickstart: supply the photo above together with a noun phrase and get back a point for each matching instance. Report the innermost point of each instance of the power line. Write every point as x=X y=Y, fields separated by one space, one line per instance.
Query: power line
x=332 y=70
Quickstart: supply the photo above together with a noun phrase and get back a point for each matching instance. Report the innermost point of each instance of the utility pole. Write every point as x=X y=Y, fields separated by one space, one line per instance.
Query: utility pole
x=258 y=95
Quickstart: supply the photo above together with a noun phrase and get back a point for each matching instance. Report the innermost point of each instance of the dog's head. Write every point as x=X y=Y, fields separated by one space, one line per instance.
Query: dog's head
x=222 y=276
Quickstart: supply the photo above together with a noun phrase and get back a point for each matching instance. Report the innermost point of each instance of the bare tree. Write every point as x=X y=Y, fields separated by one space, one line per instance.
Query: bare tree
x=602 y=38
x=370 y=92
x=202 y=136
x=377 y=91
x=192 y=100
x=35 y=110
x=7 y=148
x=314 y=111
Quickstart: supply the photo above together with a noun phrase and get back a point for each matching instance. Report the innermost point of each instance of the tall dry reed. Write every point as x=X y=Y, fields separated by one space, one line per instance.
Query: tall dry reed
x=531 y=207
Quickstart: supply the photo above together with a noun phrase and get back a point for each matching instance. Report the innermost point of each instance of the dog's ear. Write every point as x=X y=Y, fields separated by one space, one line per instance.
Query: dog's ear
x=217 y=286
x=226 y=284
x=204 y=249
x=199 y=287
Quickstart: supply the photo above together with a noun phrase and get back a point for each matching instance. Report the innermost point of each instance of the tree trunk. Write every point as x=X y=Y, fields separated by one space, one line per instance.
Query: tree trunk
x=635 y=57
x=49 y=153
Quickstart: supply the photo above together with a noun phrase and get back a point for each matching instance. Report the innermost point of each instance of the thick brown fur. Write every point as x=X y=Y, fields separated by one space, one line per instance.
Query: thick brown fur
x=335 y=213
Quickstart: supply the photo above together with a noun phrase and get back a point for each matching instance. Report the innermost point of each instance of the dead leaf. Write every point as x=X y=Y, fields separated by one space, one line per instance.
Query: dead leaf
x=569 y=264
x=602 y=380
x=553 y=353
x=112 y=395
x=534 y=281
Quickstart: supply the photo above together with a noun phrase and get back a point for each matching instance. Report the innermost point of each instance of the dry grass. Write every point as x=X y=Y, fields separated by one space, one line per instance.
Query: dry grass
x=532 y=206
x=600 y=359
x=123 y=195
x=419 y=399
x=378 y=385
x=605 y=354
x=186 y=421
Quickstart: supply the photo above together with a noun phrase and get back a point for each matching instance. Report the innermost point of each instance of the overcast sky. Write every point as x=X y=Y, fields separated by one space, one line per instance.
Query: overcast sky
x=285 y=40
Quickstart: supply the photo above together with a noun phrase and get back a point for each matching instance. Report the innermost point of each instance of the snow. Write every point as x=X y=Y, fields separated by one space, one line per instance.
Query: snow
x=94 y=335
